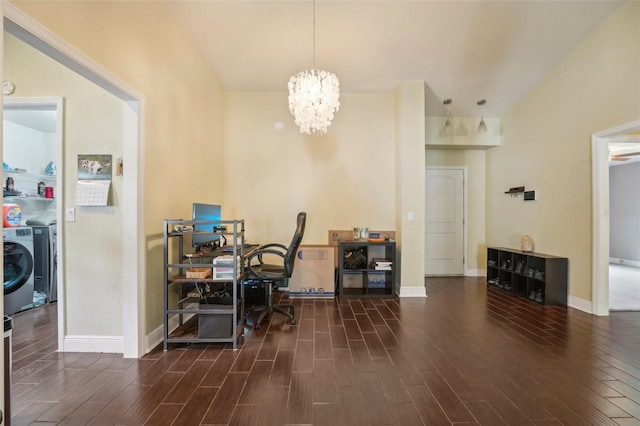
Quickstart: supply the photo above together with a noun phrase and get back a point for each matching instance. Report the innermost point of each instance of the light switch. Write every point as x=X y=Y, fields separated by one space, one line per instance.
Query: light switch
x=71 y=215
x=411 y=216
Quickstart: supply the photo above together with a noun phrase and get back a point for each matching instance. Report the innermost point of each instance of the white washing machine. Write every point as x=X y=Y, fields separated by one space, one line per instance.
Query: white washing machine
x=18 y=269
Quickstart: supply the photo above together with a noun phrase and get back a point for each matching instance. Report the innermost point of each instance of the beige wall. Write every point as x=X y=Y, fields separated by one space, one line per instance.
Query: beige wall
x=342 y=179
x=546 y=146
x=141 y=44
x=410 y=186
x=93 y=299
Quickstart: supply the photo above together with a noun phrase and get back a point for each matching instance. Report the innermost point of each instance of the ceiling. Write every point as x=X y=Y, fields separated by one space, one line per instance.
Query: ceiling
x=41 y=119
x=463 y=50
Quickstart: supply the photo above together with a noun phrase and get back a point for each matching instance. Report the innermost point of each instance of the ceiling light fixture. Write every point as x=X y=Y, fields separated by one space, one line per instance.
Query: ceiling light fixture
x=448 y=127
x=482 y=127
x=314 y=95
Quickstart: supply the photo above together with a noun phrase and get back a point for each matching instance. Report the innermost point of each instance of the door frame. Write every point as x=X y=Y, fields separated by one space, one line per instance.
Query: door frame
x=465 y=258
x=600 y=215
x=133 y=278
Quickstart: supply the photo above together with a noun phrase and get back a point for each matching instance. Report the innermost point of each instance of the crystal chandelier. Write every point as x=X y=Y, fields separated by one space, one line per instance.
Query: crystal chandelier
x=314 y=98
x=314 y=95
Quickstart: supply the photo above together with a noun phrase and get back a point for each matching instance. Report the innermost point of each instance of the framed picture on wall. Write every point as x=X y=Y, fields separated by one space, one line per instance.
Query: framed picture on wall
x=94 y=167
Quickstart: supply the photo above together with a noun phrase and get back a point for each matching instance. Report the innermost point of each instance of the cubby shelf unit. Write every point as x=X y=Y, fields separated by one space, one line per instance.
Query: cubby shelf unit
x=539 y=277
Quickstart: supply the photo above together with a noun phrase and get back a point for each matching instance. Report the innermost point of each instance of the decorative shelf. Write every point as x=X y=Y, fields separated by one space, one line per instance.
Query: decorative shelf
x=515 y=190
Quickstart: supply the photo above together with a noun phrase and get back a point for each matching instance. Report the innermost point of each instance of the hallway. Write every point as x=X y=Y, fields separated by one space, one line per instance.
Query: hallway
x=624 y=288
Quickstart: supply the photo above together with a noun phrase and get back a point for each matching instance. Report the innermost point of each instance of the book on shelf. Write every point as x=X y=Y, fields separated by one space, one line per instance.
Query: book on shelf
x=382 y=264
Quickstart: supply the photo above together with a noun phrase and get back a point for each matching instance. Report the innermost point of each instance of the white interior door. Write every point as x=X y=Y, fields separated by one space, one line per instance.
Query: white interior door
x=444 y=221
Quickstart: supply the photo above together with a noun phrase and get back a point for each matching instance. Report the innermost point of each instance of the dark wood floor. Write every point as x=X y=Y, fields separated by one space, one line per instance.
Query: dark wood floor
x=465 y=354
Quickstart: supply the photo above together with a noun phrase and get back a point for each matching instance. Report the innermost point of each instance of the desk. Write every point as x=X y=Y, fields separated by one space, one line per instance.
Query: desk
x=189 y=285
x=242 y=251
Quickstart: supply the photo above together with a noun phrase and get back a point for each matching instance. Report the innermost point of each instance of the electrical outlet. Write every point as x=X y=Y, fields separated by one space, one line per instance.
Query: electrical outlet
x=71 y=215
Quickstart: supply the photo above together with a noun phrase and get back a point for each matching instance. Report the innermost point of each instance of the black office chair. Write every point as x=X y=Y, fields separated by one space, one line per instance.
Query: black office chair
x=276 y=273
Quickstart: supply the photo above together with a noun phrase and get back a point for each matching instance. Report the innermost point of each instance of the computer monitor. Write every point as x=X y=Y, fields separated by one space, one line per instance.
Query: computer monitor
x=205 y=212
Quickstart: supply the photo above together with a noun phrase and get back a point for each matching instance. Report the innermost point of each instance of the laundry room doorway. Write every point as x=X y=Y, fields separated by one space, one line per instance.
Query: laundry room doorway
x=32 y=154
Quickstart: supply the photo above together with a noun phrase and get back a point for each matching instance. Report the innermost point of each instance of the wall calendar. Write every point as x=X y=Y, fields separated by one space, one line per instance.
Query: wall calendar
x=92 y=192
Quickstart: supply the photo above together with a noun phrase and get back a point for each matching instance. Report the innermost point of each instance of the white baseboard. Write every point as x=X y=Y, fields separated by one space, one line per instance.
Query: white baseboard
x=475 y=273
x=625 y=262
x=156 y=337
x=112 y=344
x=94 y=344
x=580 y=304
x=153 y=339
x=411 y=291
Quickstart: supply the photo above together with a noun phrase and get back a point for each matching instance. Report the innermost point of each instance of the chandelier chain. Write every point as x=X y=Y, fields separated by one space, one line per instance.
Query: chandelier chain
x=314 y=95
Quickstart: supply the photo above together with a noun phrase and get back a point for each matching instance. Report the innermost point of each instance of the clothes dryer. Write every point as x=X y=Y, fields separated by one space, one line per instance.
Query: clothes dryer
x=18 y=269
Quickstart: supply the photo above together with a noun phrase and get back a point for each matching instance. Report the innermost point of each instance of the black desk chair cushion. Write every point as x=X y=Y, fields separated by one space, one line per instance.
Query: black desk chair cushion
x=279 y=272
x=267 y=271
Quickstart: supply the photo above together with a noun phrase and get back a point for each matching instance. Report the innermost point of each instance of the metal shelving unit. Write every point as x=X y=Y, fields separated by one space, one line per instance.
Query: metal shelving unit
x=201 y=307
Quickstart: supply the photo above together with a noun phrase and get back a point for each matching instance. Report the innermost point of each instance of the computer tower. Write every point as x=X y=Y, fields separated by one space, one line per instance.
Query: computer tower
x=255 y=292
x=215 y=325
